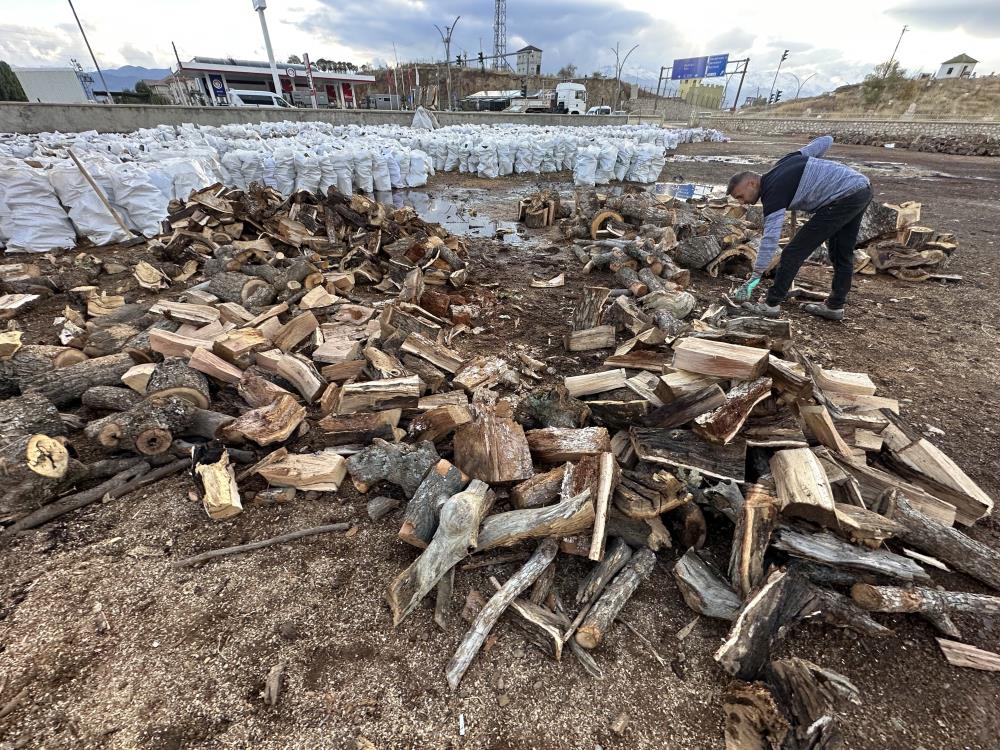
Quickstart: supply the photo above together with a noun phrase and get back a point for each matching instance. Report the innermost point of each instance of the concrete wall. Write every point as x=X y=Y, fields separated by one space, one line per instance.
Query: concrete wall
x=121 y=118
x=887 y=129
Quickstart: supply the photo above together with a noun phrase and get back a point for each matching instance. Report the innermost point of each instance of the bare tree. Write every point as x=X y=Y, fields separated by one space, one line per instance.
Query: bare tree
x=619 y=66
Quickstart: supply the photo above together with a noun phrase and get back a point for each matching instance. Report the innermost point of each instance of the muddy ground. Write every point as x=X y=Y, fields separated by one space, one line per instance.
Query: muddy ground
x=184 y=658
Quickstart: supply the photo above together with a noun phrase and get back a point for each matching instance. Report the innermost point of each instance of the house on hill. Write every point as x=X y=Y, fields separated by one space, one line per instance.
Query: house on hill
x=957 y=67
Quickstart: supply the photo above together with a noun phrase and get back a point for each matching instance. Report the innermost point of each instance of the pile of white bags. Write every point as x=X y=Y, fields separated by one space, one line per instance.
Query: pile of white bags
x=32 y=219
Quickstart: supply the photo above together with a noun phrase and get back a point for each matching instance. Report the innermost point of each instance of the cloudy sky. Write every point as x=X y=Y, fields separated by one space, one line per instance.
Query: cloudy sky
x=838 y=42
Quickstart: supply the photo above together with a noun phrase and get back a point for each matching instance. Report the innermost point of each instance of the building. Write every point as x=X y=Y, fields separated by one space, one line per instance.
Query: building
x=699 y=94
x=957 y=67
x=52 y=85
x=490 y=101
x=214 y=76
x=529 y=61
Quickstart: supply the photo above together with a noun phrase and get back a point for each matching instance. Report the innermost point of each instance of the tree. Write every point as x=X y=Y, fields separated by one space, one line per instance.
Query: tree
x=567 y=71
x=597 y=74
x=10 y=87
x=887 y=79
x=294 y=60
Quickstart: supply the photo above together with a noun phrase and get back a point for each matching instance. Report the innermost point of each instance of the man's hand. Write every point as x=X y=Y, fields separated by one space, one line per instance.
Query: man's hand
x=743 y=293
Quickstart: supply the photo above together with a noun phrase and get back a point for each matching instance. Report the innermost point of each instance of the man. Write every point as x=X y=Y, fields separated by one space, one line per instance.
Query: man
x=834 y=194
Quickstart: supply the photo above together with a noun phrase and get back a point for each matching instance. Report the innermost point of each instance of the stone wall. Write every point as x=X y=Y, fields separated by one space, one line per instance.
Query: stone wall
x=121 y=118
x=946 y=136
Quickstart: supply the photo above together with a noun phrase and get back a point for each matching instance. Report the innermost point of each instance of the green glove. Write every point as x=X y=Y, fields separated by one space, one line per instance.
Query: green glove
x=743 y=293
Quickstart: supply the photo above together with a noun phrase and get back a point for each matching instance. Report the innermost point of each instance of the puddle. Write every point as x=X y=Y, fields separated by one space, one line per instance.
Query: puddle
x=454 y=216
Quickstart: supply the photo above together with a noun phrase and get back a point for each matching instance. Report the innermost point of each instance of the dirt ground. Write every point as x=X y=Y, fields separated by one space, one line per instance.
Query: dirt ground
x=182 y=661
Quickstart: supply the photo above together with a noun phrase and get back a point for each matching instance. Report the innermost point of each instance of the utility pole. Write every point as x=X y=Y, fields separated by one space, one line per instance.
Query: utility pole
x=446 y=38
x=83 y=33
x=784 y=56
x=183 y=86
x=895 y=49
x=619 y=65
x=259 y=6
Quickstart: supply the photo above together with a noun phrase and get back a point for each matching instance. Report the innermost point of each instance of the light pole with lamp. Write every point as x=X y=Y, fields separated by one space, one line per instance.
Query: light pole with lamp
x=260 y=6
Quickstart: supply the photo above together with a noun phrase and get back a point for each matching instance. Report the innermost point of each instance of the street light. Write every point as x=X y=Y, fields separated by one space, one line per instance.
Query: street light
x=446 y=38
x=618 y=70
x=259 y=6
x=800 y=83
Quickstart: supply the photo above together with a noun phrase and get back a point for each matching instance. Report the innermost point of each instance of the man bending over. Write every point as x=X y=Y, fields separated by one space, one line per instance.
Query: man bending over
x=834 y=194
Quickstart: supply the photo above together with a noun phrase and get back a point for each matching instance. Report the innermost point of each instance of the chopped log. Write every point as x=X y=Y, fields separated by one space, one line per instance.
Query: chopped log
x=571 y=516
x=704 y=590
x=754 y=523
x=258 y=391
x=492 y=447
x=558 y=444
x=696 y=252
x=272 y=423
x=685 y=407
x=235 y=287
x=818 y=421
x=171 y=344
x=203 y=361
x=34 y=468
x=30 y=414
x=923 y=600
x=595 y=382
x=494 y=608
x=636 y=533
x=437 y=424
x=827 y=549
x=361 y=428
x=400 y=464
x=343 y=371
x=420 y=518
x=184 y=312
x=640 y=359
x=949 y=545
x=588 y=339
x=173 y=377
x=685 y=450
x=648 y=386
x=295 y=331
x=964 y=655
x=619 y=415
x=588 y=311
x=845 y=383
x=754 y=720
x=381 y=506
x=680 y=383
x=298 y=371
x=137 y=377
x=719 y=359
x=811 y=696
x=542 y=626
x=687 y=525
x=220 y=494
x=539 y=490
x=616 y=594
x=723 y=423
x=599 y=221
x=431 y=377
x=803 y=489
x=108 y=398
x=607 y=480
x=615 y=557
x=551 y=407
x=379 y=394
x=433 y=352
x=149 y=427
x=323 y=471
x=788 y=377
x=65 y=385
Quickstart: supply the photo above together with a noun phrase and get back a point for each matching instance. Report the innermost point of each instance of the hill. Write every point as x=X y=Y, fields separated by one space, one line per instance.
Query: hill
x=127 y=76
x=967 y=98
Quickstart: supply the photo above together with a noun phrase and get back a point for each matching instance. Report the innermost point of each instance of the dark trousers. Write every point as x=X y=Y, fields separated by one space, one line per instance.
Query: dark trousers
x=837 y=224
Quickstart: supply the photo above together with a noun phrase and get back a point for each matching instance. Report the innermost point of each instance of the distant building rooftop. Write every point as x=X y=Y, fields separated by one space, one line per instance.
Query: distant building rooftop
x=963 y=58
x=529 y=48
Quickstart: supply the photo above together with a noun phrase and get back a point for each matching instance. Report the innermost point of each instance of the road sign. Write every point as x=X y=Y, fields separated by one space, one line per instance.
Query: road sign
x=699 y=67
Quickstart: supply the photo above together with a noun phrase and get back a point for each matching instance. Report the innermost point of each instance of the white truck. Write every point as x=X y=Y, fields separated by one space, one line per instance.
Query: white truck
x=567 y=99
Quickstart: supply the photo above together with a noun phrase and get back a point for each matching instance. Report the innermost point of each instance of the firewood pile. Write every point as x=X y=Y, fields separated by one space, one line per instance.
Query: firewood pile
x=636 y=234
x=696 y=431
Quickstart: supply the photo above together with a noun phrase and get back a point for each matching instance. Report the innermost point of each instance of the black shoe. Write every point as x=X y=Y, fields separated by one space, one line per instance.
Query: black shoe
x=820 y=310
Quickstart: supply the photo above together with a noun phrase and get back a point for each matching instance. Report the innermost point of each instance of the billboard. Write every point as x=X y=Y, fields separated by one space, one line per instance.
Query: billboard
x=699 y=67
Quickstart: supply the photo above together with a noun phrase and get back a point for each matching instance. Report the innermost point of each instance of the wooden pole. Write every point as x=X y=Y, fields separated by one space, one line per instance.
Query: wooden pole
x=100 y=193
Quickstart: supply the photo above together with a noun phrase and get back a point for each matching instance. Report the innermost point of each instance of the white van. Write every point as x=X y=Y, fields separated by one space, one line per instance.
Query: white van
x=599 y=111
x=250 y=98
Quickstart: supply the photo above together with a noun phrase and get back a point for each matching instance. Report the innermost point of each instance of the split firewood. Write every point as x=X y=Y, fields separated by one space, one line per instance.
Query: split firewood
x=704 y=590
x=456 y=534
x=614 y=597
x=421 y=515
x=607 y=481
x=273 y=423
x=397 y=463
x=754 y=523
x=433 y=352
x=437 y=424
x=588 y=311
x=686 y=407
x=551 y=407
x=323 y=471
x=719 y=359
x=723 y=423
x=682 y=449
x=923 y=600
x=219 y=492
x=964 y=655
x=542 y=626
x=148 y=428
x=828 y=549
x=541 y=489
x=490 y=614
x=588 y=339
x=571 y=516
x=379 y=394
x=298 y=371
x=361 y=428
x=597 y=382
x=493 y=447
x=754 y=720
x=558 y=444
x=203 y=361
x=30 y=414
x=803 y=488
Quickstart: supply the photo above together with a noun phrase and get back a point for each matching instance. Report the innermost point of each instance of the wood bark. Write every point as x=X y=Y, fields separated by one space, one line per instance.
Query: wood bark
x=704 y=590
x=110 y=398
x=551 y=407
x=829 y=550
x=495 y=607
x=29 y=414
x=492 y=447
x=614 y=597
x=558 y=444
x=723 y=423
x=923 y=600
x=589 y=308
x=66 y=384
x=683 y=449
x=400 y=464
x=360 y=428
x=615 y=557
x=686 y=407
x=541 y=489
x=571 y=516
x=265 y=425
x=754 y=524
x=420 y=517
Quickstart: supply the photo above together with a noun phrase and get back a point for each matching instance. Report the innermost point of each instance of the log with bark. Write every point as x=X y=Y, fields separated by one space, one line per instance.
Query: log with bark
x=551 y=407
x=173 y=377
x=148 y=428
x=29 y=414
x=421 y=515
x=558 y=444
x=571 y=516
x=65 y=385
x=704 y=590
x=493 y=447
x=827 y=549
x=616 y=594
x=923 y=600
x=397 y=463
x=456 y=534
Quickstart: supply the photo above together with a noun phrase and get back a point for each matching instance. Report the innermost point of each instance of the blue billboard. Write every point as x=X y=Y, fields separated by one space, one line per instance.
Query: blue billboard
x=699 y=67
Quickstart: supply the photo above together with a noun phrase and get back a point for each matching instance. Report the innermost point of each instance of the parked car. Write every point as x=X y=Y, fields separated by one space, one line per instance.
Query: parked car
x=599 y=111
x=260 y=99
